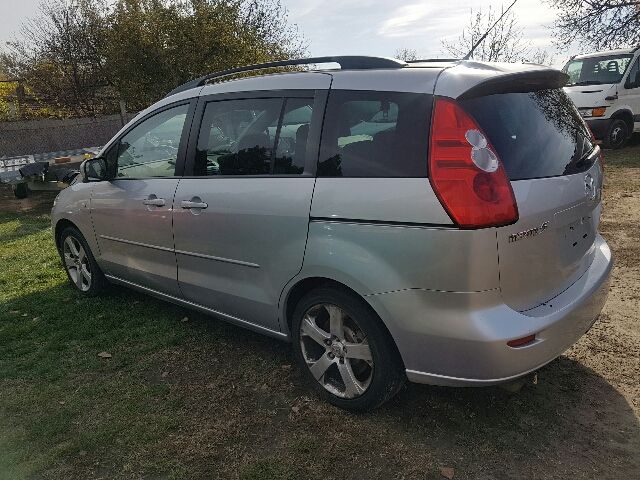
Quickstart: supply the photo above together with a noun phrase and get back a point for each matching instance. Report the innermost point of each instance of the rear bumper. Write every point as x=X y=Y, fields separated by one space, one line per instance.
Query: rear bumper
x=460 y=339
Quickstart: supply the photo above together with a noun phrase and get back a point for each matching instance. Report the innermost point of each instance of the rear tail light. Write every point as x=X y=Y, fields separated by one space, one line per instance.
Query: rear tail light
x=465 y=171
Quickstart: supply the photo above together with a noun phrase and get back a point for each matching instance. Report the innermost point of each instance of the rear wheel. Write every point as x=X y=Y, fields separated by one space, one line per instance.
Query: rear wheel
x=617 y=134
x=82 y=270
x=345 y=351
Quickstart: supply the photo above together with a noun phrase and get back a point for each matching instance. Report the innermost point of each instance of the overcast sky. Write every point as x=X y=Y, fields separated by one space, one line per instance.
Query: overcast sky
x=370 y=27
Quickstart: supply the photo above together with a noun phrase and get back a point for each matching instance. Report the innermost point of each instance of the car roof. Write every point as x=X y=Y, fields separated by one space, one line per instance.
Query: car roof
x=416 y=76
x=619 y=51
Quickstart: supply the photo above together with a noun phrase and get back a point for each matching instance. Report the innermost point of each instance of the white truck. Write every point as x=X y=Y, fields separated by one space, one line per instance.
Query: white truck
x=605 y=86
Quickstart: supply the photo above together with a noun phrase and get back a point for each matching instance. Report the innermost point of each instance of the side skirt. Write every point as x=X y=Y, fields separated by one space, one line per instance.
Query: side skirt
x=209 y=311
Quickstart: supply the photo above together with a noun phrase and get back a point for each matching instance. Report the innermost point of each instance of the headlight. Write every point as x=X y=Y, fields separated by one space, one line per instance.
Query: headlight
x=592 y=112
x=55 y=200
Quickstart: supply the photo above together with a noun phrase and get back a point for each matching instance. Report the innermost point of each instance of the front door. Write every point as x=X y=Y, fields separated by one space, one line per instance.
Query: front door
x=630 y=94
x=132 y=213
x=241 y=219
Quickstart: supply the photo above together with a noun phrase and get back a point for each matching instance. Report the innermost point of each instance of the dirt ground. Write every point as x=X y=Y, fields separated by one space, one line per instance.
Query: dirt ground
x=244 y=411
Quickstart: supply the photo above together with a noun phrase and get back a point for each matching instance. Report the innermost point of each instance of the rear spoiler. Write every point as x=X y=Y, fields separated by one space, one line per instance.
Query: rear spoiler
x=518 y=82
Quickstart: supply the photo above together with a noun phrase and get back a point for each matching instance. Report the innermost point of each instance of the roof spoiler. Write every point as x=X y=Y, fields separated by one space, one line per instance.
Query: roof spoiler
x=519 y=82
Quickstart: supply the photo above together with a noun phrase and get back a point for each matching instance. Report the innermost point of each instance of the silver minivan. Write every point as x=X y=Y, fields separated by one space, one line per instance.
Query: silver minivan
x=431 y=221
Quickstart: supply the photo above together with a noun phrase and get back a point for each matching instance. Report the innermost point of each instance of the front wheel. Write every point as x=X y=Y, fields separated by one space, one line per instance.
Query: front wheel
x=345 y=351
x=82 y=270
x=617 y=134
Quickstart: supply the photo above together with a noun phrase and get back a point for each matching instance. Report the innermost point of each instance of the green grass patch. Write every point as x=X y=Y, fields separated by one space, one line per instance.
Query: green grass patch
x=60 y=402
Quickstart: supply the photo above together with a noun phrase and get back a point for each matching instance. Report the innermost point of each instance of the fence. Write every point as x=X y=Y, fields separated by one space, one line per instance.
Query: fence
x=38 y=136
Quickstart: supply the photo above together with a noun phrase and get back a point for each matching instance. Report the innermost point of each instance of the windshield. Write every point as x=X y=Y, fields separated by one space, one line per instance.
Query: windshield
x=597 y=70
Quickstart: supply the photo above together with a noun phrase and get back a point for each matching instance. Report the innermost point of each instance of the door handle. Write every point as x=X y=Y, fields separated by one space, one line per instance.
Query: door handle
x=154 y=201
x=194 y=203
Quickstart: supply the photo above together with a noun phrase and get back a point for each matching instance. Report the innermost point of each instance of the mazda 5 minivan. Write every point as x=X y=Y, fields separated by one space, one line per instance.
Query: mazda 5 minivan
x=431 y=221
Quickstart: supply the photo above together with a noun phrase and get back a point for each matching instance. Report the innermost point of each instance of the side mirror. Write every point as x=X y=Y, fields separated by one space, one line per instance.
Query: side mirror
x=95 y=170
x=633 y=82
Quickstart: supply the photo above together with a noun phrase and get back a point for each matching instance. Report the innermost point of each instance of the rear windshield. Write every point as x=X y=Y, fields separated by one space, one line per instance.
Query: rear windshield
x=538 y=134
x=375 y=134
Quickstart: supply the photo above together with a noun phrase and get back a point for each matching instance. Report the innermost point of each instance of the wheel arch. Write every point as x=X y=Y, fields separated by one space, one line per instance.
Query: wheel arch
x=305 y=285
x=60 y=227
x=626 y=115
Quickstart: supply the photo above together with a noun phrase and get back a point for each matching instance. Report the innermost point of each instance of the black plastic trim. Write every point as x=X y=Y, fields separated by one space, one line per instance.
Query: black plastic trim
x=383 y=222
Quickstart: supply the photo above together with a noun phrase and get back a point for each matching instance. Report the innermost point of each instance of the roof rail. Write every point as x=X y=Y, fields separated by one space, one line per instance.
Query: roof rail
x=427 y=60
x=352 y=62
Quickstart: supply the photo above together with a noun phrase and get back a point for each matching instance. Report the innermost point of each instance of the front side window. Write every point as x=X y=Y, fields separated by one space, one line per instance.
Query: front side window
x=259 y=136
x=633 y=80
x=375 y=134
x=597 y=70
x=151 y=148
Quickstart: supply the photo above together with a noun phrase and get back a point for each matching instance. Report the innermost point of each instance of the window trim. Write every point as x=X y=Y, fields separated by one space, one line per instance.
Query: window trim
x=313 y=142
x=627 y=82
x=184 y=136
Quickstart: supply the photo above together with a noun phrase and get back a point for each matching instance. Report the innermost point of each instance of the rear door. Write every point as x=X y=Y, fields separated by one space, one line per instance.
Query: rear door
x=132 y=213
x=556 y=178
x=241 y=216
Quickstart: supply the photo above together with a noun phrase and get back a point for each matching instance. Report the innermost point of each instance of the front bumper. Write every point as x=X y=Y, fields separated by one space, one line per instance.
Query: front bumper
x=460 y=339
x=599 y=126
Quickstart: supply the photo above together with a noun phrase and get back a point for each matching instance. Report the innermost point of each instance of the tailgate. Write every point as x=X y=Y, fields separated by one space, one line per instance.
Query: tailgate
x=552 y=163
x=552 y=244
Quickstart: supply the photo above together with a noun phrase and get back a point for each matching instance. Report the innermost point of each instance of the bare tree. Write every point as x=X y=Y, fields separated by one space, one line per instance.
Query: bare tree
x=597 y=24
x=504 y=43
x=539 y=56
x=406 y=54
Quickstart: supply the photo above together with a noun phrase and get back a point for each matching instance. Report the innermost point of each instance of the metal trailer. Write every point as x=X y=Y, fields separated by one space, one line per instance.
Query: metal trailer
x=42 y=172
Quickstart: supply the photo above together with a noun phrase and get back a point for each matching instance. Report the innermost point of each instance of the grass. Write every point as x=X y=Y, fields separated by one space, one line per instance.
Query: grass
x=51 y=375
x=204 y=399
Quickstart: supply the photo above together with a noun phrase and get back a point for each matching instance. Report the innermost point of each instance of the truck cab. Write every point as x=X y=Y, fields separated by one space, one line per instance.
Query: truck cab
x=605 y=86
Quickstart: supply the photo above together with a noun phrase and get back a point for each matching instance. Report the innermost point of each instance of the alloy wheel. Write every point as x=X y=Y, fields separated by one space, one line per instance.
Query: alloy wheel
x=336 y=351
x=77 y=263
x=616 y=136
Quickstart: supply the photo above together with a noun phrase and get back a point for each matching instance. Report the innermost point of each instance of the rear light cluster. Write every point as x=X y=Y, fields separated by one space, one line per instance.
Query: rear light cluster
x=465 y=171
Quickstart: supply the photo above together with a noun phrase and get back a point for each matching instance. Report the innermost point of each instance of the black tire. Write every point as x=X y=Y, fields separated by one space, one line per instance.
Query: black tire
x=617 y=134
x=98 y=282
x=20 y=190
x=387 y=374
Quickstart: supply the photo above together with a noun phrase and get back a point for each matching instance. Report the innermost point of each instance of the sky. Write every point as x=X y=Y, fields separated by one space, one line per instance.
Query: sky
x=371 y=27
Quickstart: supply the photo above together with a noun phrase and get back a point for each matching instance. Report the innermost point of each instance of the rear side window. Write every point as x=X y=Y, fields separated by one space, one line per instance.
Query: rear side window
x=538 y=134
x=375 y=134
